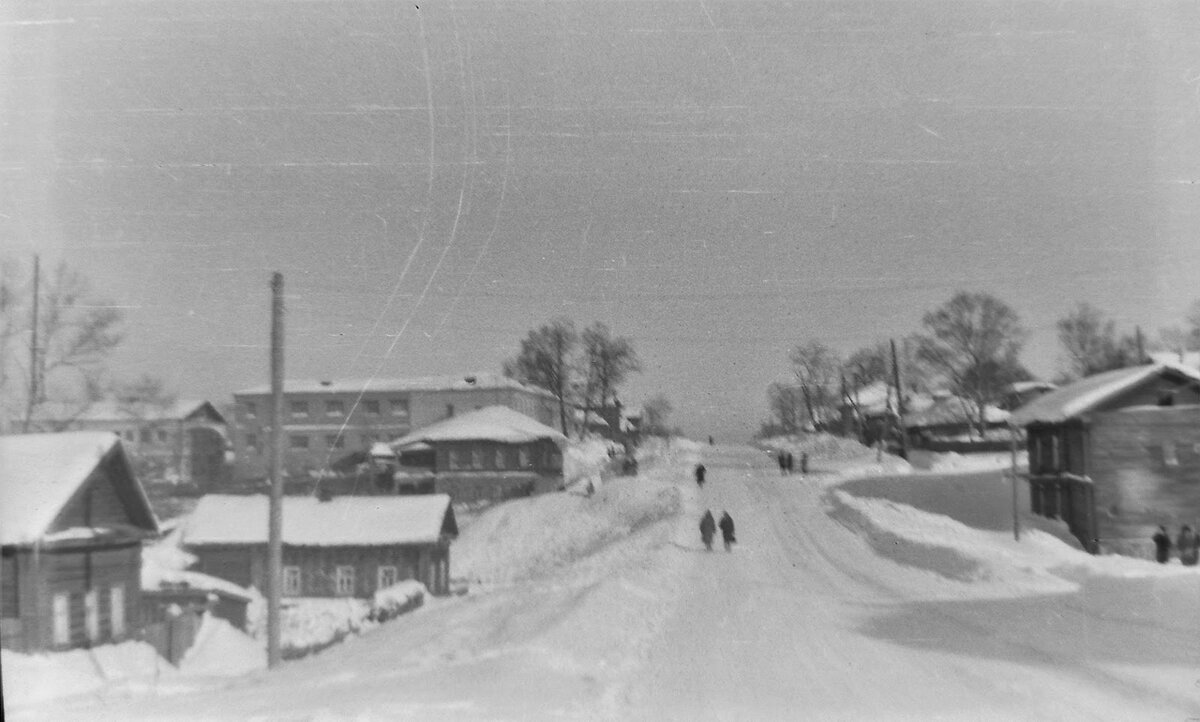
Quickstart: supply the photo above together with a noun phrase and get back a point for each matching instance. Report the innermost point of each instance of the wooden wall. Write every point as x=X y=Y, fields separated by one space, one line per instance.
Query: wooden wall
x=1145 y=463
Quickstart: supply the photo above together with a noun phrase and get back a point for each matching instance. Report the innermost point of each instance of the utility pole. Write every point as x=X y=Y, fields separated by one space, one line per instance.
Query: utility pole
x=275 y=523
x=1012 y=442
x=899 y=402
x=34 y=367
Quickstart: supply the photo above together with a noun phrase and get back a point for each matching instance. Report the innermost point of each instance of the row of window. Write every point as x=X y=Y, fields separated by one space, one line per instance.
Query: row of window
x=305 y=442
x=343 y=576
x=337 y=408
x=502 y=459
x=91 y=614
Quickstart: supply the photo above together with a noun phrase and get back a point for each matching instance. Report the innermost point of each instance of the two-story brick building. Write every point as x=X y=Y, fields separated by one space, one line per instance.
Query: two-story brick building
x=327 y=420
x=1116 y=454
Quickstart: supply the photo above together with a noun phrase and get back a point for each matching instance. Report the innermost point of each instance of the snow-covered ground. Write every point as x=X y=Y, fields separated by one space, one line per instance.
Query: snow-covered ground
x=835 y=604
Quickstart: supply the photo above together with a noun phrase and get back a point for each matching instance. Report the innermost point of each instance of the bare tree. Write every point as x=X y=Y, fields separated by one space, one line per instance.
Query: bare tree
x=545 y=360
x=787 y=403
x=75 y=334
x=817 y=369
x=974 y=340
x=655 y=412
x=1091 y=344
x=606 y=362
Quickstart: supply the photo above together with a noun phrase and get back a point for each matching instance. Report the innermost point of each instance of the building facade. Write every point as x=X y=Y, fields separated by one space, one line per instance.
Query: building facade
x=1116 y=454
x=325 y=421
x=72 y=521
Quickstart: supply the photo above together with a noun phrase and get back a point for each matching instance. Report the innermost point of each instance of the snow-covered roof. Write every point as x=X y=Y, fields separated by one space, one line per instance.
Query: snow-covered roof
x=1090 y=392
x=110 y=410
x=492 y=423
x=1020 y=387
x=39 y=473
x=466 y=382
x=950 y=409
x=308 y=521
x=381 y=449
x=1191 y=359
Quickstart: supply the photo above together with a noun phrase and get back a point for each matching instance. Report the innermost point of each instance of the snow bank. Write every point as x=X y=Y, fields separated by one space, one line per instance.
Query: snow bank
x=221 y=650
x=818 y=446
x=398 y=599
x=33 y=678
x=951 y=461
x=585 y=460
x=525 y=538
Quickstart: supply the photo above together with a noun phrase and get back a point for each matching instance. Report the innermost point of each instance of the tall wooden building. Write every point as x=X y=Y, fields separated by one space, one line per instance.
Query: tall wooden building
x=1116 y=454
x=72 y=521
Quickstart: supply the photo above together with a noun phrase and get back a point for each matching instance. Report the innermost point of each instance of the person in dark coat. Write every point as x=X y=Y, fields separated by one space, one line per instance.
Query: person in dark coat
x=1189 y=546
x=700 y=472
x=789 y=463
x=782 y=461
x=804 y=463
x=726 y=525
x=1162 y=545
x=708 y=527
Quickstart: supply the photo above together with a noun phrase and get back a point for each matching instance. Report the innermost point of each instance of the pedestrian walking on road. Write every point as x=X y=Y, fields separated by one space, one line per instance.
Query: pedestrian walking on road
x=789 y=463
x=708 y=527
x=804 y=463
x=1189 y=546
x=727 y=531
x=1162 y=545
x=700 y=472
x=782 y=462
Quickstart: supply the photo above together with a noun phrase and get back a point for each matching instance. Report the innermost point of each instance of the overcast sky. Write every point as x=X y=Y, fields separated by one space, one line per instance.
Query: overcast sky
x=719 y=181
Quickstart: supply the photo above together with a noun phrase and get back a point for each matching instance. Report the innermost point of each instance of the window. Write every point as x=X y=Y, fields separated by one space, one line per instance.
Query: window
x=251 y=409
x=371 y=407
x=1054 y=455
x=1170 y=456
x=298 y=441
x=144 y=436
x=62 y=618
x=251 y=441
x=291 y=582
x=476 y=458
x=162 y=436
x=501 y=459
x=554 y=460
x=523 y=458
x=335 y=408
x=1035 y=458
x=116 y=603
x=299 y=408
x=449 y=410
x=386 y=577
x=91 y=615
x=335 y=441
x=458 y=458
x=129 y=435
x=399 y=407
x=345 y=581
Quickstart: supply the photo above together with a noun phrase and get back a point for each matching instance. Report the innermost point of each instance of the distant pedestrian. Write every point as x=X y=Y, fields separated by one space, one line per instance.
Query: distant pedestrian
x=700 y=472
x=1189 y=546
x=708 y=527
x=790 y=463
x=712 y=441
x=804 y=463
x=782 y=462
x=727 y=531
x=1162 y=545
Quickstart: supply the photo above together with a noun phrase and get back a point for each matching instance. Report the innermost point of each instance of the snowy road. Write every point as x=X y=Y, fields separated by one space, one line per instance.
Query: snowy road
x=804 y=620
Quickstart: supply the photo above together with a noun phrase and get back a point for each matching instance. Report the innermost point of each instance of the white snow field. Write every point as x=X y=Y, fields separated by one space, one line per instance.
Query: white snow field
x=834 y=605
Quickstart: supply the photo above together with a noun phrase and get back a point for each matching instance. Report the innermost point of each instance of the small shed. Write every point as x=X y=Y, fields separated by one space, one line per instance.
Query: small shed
x=491 y=454
x=346 y=546
x=1116 y=454
x=72 y=520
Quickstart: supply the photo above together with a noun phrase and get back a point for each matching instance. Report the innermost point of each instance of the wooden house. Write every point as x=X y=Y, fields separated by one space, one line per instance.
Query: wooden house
x=72 y=521
x=493 y=453
x=1116 y=454
x=347 y=546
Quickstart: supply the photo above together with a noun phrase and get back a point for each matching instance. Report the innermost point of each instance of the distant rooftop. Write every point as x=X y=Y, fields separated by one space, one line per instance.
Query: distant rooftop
x=463 y=382
x=493 y=423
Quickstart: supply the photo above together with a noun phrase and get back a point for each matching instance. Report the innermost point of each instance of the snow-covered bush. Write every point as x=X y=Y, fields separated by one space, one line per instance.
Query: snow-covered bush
x=397 y=599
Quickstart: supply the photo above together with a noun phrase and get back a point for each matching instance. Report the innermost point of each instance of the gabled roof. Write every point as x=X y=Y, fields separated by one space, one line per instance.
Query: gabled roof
x=492 y=423
x=40 y=473
x=1089 y=393
x=110 y=410
x=308 y=521
x=464 y=382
